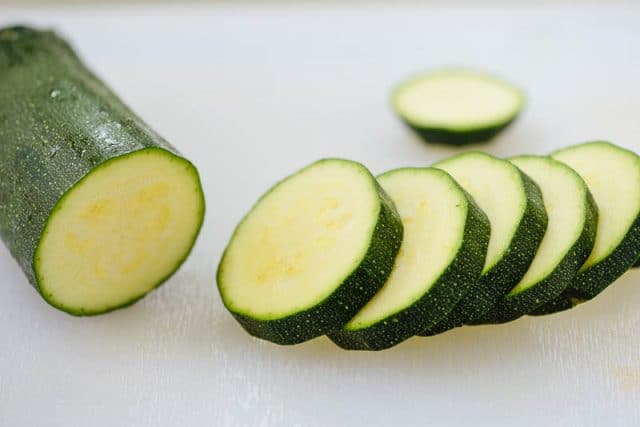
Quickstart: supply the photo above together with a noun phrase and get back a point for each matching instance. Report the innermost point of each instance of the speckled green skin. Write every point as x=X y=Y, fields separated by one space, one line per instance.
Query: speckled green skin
x=439 y=300
x=347 y=299
x=497 y=282
x=595 y=279
x=457 y=137
x=58 y=122
x=553 y=285
x=561 y=303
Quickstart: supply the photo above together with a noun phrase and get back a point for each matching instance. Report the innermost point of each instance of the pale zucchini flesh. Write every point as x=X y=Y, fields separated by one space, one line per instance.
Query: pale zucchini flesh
x=441 y=256
x=119 y=232
x=310 y=253
x=568 y=240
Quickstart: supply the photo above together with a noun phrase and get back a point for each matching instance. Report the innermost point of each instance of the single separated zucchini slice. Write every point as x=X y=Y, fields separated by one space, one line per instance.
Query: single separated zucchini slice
x=457 y=106
x=612 y=174
x=513 y=203
x=311 y=253
x=96 y=208
x=567 y=243
x=442 y=254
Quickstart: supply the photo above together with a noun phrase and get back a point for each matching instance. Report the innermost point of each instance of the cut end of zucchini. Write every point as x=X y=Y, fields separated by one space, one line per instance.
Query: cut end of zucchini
x=119 y=232
x=457 y=106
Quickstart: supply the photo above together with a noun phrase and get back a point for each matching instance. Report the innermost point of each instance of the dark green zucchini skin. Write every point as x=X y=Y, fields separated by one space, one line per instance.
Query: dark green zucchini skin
x=458 y=138
x=497 y=282
x=339 y=307
x=592 y=281
x=58 y=122
x=562 y=302
x=445 y=293
x=555 y=284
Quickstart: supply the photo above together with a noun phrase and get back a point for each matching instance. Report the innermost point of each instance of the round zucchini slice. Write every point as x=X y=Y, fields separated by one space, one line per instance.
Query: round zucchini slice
x=442 y=254
x=567 y=243
x=513 y=203
x=612 y=174
x=457 y=106
x=311 y=253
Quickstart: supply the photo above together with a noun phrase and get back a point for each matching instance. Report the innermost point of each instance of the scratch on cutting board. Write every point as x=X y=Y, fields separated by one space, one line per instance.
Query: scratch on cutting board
x=628 y=378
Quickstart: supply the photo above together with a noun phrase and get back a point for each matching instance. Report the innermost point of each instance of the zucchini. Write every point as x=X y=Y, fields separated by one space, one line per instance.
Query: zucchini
x=96 y=208
x=563 y=302
x=566 y=245
x=457 y=106
x=612 y=174
x=310 y=253
x=442 y=254
x=513 y=203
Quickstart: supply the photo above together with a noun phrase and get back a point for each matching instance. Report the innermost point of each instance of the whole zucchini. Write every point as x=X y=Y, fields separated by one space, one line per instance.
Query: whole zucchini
x=96 y=207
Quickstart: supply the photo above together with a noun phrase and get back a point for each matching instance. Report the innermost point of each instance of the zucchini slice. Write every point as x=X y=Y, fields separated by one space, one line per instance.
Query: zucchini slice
x=612 y=174
x=457 y=106
x=567 y=243
x=442 y=254
x=311 y=253
x=96 y=207
x=513 y=203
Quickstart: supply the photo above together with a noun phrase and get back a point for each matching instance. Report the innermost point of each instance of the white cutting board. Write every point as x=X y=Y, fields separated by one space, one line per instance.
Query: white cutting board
x=253 y=93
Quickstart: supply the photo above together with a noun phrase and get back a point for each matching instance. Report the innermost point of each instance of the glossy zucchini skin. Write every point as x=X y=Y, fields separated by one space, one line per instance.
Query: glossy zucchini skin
x=458 y=138
x=348 y=298
x=58 y=122
x=498 y=281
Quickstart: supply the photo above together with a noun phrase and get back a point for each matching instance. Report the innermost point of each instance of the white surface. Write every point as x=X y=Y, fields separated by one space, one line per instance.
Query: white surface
x=253 y=94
